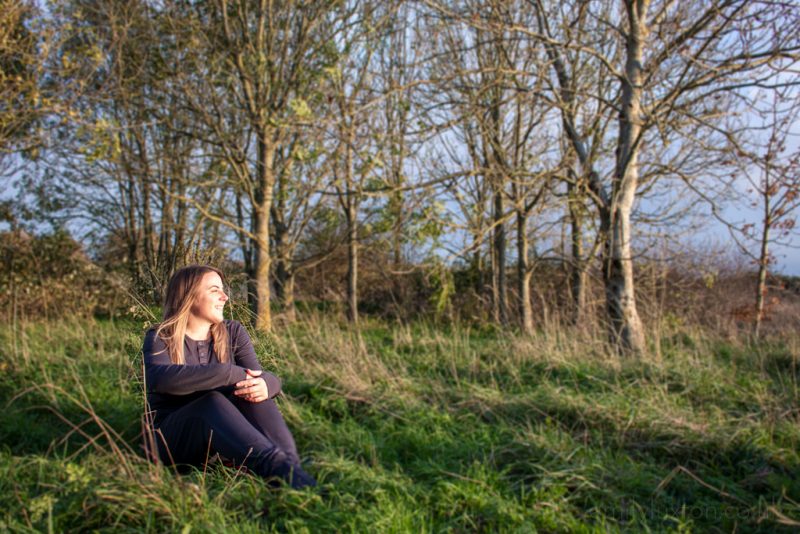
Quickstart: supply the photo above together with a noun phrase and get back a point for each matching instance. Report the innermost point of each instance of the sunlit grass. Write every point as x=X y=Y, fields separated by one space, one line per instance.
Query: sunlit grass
x=417 y=428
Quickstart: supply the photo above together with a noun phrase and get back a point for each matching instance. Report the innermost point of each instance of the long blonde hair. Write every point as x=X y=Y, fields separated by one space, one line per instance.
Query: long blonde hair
x=182 y=292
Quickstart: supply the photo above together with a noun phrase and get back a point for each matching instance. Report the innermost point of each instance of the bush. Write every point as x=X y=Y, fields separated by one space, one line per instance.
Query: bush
x=50 y=276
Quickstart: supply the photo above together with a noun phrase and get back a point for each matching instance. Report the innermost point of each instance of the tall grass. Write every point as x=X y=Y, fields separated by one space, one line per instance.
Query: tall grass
x=417 y=428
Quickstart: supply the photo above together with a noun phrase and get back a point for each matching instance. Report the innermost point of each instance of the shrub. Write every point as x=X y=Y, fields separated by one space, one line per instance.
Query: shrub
x=49 y=276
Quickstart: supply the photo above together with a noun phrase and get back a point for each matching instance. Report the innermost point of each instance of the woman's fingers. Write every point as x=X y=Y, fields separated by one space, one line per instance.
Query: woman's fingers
x=248 y=390
x=247 y=382
x=254 y=390
x=251 y=394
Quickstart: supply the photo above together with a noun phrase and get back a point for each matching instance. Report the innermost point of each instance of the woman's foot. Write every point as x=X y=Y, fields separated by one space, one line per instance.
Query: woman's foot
x=296 y=476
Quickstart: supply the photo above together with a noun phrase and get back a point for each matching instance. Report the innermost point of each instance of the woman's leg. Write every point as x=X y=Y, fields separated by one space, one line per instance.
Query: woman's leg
x=213 y=424
x=267 y=418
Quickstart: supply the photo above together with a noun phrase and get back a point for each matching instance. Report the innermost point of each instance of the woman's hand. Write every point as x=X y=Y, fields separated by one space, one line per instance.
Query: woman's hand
x=253 y=388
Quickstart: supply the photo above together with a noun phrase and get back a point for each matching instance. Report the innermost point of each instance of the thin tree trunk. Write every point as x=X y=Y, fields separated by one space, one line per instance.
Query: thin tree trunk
x=148 y=240
x=625 y=328
x=246 y=246
x=763 y=262
x=499 y=177
x=284 y=291
x=133 y=233
x=578 y=266
x=524 y=275
x=178 y=243
x=284 y=275
x=398 y=293
x=578 y=288
x=480 y=278
x=352 y=265
x=287 y=286
x=499 y=261
x=351 y=215
x=477 y=240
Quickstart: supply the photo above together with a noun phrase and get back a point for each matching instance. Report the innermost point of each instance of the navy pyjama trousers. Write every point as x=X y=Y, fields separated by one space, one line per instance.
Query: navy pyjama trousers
x=253 y=434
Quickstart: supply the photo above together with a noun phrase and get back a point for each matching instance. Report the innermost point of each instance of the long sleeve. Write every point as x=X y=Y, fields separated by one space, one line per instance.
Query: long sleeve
x=163 y=376
x=244 y=355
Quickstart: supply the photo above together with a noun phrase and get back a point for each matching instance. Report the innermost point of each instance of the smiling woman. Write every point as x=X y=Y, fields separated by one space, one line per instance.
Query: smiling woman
x=206 y=390
x=210 y=301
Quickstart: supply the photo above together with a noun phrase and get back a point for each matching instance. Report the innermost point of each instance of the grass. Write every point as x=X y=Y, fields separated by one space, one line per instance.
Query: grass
x=414 y=428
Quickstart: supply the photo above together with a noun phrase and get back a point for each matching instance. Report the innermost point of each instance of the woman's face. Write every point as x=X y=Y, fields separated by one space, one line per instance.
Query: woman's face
x=211 y=299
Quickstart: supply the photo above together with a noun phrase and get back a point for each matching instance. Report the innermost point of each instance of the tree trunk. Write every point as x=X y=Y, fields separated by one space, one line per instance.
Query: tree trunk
x=284 y=291
x=352 y=264
x=578 y=288
x=164 y=248
x=151 y=260
x=350 y=206
x=578 y=265
x=179 y=245
x=265 y=178
x=398 y=292
x=625 y=328
x=284 y=275
x=499 y=261
x=480 y=275
x=524 y=274
x=148 y=231
x=132 y=233
x=247 y=247
x=763 y=263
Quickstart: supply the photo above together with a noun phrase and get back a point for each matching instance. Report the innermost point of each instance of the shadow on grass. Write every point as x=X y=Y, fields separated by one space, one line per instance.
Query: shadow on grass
x=638 y=468
x=50 y=417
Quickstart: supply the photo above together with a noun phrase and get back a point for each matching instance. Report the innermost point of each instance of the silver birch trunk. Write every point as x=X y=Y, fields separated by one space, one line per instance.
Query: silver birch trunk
x=625 y=328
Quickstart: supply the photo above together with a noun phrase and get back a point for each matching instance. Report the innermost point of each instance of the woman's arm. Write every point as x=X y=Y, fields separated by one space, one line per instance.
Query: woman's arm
x=163 y=376
x=244 y=355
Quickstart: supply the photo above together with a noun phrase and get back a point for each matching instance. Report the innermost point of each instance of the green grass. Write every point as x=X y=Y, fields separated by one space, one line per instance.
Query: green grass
x=416 y=428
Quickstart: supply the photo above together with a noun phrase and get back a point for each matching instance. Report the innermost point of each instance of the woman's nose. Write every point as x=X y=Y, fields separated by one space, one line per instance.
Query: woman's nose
x=225 y=297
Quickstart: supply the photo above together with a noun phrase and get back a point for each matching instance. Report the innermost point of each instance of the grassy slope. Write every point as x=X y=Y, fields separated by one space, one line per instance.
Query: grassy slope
x=416 y=429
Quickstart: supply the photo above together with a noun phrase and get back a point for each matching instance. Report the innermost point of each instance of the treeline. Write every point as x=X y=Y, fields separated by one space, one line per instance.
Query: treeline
x=480 y=139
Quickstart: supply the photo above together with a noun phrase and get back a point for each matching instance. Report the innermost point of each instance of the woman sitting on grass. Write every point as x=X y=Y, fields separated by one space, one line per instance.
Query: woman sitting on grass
x=206 y=388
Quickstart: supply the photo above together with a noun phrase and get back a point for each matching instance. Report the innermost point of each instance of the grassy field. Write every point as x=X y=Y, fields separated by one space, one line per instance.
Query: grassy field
x=417 y=429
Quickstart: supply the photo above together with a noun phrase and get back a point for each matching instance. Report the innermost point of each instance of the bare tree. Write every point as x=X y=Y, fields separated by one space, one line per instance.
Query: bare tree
x=489 y=77
x=676 y=60
x=351 y=85
x=770 y=166
x=399 y=56
x=305 y=171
